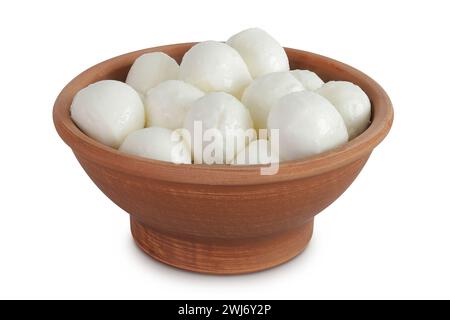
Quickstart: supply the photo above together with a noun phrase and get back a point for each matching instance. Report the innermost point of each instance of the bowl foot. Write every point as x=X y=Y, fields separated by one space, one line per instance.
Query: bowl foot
x=222 y=256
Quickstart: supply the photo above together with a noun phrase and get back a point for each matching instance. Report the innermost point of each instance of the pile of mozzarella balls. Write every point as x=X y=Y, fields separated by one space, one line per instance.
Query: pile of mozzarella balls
x=242 y=84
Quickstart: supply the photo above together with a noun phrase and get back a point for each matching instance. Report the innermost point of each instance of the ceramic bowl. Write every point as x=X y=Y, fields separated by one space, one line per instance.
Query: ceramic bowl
x=216 y=218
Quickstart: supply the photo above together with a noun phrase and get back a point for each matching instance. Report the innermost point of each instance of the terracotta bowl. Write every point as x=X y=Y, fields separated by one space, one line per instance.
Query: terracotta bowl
x=223 y=219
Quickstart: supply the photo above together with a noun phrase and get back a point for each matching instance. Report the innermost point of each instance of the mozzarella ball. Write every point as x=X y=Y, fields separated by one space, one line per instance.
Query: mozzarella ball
x=150 y=69
x=262 y=93
x=108 y=111
x=257 y=152
x=167 y=103
x=352 y=103
x=218 y=112
x=157 y=143
x=215 y=66
x=262 y=53
x=309 y=79
x=308 y=124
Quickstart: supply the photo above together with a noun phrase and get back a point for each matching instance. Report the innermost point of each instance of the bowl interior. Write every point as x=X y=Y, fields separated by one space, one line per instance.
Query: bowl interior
x=328 y=69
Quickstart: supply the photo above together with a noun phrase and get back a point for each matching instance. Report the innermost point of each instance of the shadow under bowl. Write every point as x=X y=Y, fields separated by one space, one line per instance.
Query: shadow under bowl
x=223 y=219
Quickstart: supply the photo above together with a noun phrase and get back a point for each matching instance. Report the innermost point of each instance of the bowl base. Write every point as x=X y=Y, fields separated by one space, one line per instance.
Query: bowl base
x=222 y=256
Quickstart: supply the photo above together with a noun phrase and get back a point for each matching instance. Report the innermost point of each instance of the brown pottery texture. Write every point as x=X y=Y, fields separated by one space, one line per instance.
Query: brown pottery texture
x=216 y=218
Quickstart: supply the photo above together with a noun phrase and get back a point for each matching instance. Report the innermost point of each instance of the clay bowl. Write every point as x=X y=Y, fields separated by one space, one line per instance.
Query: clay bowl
x=223 y=219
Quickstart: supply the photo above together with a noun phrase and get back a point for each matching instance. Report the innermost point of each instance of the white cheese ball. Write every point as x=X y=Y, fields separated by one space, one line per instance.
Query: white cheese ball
x=262 y=53
x=257 y=152
x=150 y=69
x=108 y=111
x=166 y=104
x=225 y=114
x=308 y=124
x=352 y=103
x=310 y=80
x=215 y=66
x=157 y=143
x=262 y=93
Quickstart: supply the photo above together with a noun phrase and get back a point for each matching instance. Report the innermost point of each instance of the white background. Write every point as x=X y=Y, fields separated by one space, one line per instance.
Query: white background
x=388 y=236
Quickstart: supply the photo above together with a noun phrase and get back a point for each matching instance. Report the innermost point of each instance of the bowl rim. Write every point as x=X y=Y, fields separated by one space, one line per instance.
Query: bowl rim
x=87 y=148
